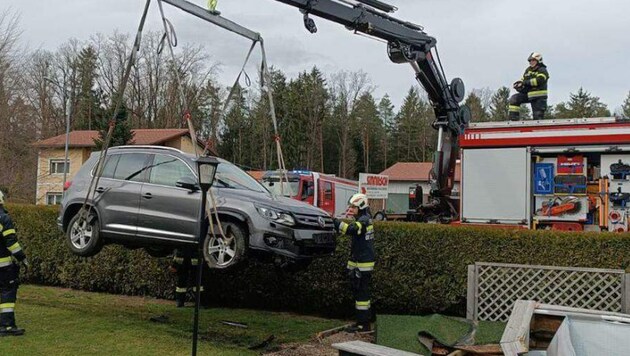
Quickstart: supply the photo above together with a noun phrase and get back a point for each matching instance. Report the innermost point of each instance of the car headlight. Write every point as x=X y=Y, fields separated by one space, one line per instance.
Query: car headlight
x=277 y=216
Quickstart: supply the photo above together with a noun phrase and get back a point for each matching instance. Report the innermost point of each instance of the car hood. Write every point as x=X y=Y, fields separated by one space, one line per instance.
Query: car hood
x=278 y=202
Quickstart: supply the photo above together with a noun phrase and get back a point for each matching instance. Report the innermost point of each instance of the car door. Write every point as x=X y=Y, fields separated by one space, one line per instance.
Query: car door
x=326 y=197
x=166 y=211
x=117 y=195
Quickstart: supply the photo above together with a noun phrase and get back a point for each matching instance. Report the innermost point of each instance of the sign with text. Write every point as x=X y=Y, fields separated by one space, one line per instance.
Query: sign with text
x=373 y=185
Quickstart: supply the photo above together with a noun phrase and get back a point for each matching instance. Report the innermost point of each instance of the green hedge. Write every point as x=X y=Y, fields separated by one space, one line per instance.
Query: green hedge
x=420 y=268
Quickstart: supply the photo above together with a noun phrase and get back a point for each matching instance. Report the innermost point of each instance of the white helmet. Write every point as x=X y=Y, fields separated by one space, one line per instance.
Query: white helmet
x=359 y=200
x=535 y=55
x=1 y=198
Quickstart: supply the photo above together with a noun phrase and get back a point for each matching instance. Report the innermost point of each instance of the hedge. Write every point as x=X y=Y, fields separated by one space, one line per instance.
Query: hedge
x=420 y=268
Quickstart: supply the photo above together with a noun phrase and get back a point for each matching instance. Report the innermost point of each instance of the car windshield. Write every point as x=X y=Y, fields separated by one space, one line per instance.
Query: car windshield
x=230 y=176
x=290 y=188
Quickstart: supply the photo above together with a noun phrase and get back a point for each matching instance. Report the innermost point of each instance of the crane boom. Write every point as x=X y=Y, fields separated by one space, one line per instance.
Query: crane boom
x=408 y=43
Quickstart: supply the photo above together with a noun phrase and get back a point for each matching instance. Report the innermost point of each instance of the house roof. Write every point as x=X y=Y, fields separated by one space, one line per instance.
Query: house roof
x=258 y=175
x=85 y=138
x=414 y=171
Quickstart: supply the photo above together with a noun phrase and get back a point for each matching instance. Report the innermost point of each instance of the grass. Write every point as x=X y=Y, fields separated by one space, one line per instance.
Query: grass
x=401 y=331
x=67 y=322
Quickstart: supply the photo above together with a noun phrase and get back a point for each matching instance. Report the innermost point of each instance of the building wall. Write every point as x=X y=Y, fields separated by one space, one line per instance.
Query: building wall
x=184 y=143
x=47 y=182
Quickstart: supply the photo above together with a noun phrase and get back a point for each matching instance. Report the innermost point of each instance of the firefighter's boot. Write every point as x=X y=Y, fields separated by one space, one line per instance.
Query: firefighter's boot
x=11 y=331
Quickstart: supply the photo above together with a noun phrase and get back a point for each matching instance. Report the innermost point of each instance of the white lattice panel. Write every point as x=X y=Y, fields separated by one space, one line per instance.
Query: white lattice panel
x=498 y=286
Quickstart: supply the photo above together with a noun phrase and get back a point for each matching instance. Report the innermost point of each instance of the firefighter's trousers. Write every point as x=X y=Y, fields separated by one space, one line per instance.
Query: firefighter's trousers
x=9 y=282
x=360 y=282
x=539 y=106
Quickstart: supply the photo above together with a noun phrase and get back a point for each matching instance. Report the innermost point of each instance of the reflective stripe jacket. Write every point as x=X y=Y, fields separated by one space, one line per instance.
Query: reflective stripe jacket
x=9 y=246
x=361 y=231
x=535 y=81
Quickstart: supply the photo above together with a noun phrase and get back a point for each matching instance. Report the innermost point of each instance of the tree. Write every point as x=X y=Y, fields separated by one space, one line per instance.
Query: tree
x=499 y=105
x=387 y=116
x=581 y=104
x=625 y=108
x=122 y=134
x=477 y=110
x=88 y=105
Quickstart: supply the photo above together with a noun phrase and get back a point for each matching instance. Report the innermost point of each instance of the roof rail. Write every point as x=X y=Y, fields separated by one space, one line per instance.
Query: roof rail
x=546 y=122
x=166 y=148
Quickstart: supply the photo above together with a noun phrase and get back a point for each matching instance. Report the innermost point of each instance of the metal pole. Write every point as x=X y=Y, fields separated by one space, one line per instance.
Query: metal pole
x=66 y=165
x=199 y=270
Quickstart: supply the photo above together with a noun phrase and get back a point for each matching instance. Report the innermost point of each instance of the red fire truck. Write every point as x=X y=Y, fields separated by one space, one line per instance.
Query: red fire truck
x=325 y=191
x=570 y=174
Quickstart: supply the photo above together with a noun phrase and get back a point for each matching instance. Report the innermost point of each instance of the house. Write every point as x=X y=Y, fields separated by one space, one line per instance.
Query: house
x=403 y=178
x=51 y=156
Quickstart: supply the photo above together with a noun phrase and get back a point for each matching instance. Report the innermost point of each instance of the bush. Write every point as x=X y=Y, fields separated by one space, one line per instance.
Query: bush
x=420 y=267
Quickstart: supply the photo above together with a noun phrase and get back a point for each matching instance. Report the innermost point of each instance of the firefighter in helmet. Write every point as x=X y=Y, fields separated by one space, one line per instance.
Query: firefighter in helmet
x=532 y=88
x=362 y=257
x=10 y=255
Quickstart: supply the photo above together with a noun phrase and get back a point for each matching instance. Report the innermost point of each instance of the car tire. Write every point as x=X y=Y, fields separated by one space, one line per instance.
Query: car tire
x=380 y=216
x=220 y=253
x=158 y=252
x=83 y=235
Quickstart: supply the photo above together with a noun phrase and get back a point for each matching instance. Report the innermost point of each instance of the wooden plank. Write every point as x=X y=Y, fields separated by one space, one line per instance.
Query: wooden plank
x=625 y=308
x=515 y=339
x=470 y=294
x=366 y=349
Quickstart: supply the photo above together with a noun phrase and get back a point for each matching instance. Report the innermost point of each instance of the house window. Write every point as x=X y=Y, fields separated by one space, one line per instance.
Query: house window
x=54 y=198
x=57 y=166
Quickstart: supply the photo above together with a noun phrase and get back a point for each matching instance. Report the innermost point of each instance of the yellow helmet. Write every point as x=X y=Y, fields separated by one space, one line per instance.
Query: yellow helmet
x=359 y=200
x=535 y=55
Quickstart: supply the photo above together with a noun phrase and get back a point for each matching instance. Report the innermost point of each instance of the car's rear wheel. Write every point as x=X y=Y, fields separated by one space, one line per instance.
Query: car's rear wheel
x=222 y=252
x=83 y=235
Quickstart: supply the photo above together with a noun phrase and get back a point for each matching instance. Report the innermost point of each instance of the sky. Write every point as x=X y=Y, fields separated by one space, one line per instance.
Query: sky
x=585 y=43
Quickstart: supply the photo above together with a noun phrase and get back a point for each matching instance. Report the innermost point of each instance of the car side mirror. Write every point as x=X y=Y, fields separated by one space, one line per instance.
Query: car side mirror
x=189 y=183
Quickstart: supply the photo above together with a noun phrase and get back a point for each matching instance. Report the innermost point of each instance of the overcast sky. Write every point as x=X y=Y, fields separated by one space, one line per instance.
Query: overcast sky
x=485 y=42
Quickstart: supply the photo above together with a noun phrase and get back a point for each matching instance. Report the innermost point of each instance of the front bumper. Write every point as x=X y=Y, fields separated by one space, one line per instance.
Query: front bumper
x=291 y=242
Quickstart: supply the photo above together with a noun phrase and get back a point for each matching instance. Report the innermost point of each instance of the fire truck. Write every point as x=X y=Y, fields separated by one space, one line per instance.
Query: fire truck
x=325 y=191
x=570 y=174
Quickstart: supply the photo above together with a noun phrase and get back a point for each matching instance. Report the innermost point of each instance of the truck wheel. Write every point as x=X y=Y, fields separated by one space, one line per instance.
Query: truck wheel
x=380 y=216
x=221 y=253
x=83 y=235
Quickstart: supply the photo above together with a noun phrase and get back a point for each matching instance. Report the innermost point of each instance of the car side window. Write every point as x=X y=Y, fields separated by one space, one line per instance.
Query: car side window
x=132 y=167
x=168 y=170
x=110 y=166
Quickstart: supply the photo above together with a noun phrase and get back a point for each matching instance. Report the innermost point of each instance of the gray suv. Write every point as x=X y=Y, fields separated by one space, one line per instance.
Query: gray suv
x=147 y=197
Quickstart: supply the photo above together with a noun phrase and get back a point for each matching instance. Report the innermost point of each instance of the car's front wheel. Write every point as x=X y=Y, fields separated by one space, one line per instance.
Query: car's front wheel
x=222 y=252
x=83 y=235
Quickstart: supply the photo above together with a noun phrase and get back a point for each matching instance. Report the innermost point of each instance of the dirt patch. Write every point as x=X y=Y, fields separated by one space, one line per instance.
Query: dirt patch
x=317 y=348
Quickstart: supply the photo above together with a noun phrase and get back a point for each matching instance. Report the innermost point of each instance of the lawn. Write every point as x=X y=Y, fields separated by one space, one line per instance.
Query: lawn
x=67 y=322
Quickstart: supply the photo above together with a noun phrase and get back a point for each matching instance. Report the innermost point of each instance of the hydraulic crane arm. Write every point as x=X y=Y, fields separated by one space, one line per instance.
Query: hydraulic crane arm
x=407 y=43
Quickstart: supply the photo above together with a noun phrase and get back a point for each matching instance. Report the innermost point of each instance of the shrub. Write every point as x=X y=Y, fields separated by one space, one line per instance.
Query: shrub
x=420 y=267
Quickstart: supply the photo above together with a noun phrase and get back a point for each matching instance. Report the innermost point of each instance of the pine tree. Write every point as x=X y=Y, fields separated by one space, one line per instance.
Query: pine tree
x=387 y=116
x=581 y=104
x=122 y=134
x=499 y=105
x=478 y=112
x=625 y=108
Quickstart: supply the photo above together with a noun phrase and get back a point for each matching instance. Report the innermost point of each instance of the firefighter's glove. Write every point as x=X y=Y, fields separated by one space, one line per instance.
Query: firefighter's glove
x=25 y=264
x=336 y=223
x=518 y=85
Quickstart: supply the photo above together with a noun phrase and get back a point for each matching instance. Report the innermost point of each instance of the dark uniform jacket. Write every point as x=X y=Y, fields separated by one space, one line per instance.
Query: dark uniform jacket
x=10 y=249
x=535 y=81
x=361 y=232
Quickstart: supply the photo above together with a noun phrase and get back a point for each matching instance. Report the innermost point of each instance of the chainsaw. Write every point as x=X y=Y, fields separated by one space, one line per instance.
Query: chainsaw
x=560 y=206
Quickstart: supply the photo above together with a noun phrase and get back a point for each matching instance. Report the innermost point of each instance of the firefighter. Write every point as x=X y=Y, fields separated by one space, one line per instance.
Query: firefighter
x=532 y=88
x=185 y=264
x=10 y=254
x=362 y=257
